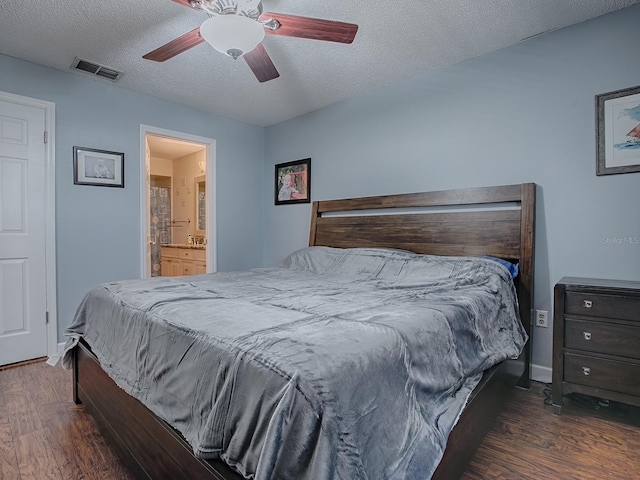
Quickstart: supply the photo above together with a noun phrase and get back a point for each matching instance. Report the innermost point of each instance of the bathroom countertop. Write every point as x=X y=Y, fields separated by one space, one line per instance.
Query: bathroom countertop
x=182 y=245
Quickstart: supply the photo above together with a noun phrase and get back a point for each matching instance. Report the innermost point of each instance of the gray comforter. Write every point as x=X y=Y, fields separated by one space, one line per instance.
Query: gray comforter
x=339 y=364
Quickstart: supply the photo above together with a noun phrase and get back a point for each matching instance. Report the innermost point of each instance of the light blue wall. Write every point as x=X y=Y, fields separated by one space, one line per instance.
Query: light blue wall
x=522 y=114
x=98 y=229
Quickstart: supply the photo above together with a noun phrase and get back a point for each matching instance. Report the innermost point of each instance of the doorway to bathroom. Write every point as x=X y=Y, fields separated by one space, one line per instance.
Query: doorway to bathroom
x=177 y=203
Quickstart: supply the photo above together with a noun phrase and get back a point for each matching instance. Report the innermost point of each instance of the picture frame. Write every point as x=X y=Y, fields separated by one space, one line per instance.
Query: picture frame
x=293 y=182
x=100 y=168
x=618 y=131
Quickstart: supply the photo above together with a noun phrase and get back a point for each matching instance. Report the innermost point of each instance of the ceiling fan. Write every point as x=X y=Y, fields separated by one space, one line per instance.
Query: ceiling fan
x=237 y=28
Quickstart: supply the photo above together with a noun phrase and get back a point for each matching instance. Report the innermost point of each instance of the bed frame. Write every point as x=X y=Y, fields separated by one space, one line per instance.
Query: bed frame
x=496 y=221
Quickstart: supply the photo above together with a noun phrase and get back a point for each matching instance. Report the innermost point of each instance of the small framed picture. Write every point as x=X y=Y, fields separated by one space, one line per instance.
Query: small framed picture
x=98 y=167
x=618 y=131
x=293 y=182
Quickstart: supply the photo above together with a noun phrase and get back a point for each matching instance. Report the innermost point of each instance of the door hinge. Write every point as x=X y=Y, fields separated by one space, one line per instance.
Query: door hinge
x=46 y=137
x=46 y=318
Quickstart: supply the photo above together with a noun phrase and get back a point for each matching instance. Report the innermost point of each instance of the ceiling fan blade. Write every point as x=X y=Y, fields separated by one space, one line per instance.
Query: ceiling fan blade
x=186 y=3
x=176 y=47
x=260 y=64
x=313 y=28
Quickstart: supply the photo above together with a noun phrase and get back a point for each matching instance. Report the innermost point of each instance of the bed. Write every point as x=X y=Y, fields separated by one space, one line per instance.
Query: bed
x=410 y=222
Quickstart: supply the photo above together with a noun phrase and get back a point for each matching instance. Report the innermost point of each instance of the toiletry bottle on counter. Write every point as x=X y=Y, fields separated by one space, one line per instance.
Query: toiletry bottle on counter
x=189 y=240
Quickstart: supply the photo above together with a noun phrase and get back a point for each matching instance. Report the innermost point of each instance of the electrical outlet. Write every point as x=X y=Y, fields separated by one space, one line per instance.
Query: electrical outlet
x=541 y=318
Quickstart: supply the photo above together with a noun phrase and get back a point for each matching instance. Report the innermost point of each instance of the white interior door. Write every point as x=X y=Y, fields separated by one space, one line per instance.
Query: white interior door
x=23 y=281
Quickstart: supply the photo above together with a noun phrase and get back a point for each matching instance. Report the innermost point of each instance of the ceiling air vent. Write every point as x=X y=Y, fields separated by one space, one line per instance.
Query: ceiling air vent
x=96 y=69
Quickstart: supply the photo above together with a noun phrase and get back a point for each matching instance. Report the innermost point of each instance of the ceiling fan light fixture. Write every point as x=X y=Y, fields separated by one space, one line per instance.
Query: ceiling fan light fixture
x=232 y=34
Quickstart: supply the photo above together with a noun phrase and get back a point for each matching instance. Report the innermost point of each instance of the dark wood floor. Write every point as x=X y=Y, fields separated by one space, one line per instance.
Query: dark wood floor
x=43 y=435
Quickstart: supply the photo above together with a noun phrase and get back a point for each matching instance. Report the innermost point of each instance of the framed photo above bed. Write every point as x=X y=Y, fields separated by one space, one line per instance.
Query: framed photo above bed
x=618 y=131
x=98 y=167
x=293 y=182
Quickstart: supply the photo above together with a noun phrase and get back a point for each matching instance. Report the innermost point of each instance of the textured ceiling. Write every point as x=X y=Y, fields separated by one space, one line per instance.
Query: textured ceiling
x=396 y=40
x=171 y=149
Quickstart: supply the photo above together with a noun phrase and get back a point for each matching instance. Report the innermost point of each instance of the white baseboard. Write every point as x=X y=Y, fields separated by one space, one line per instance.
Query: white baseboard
x=540 y=373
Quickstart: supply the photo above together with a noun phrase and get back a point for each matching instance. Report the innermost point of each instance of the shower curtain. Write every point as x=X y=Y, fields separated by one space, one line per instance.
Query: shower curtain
x=160 y=230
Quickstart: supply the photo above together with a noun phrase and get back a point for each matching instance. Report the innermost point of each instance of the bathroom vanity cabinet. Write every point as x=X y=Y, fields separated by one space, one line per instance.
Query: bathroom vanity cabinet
x=183 y=260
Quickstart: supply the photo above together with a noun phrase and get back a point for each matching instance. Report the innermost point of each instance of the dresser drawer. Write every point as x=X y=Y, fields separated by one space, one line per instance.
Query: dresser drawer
x=187 y=254
x=600 y=305
x=602 y=337
x=601 y=373
x=170 y=252
x=201 y=255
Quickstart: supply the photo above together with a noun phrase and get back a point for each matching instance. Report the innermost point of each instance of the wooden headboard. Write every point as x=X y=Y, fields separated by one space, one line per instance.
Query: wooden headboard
x=496 y=221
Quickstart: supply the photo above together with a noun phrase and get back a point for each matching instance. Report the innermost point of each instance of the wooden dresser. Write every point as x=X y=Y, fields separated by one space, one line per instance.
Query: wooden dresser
x=596 y=340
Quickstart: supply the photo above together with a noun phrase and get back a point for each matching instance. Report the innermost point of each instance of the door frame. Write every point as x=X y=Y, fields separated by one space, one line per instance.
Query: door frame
x=50 y=210
x=210 y=158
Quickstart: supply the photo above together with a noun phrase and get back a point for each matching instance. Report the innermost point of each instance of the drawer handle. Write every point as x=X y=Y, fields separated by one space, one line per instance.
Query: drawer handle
x=586 y=371
x=588 y=304
x=587 y=335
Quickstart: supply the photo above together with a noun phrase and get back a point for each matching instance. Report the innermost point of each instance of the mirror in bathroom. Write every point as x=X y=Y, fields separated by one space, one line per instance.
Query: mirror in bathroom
x=201 y=212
